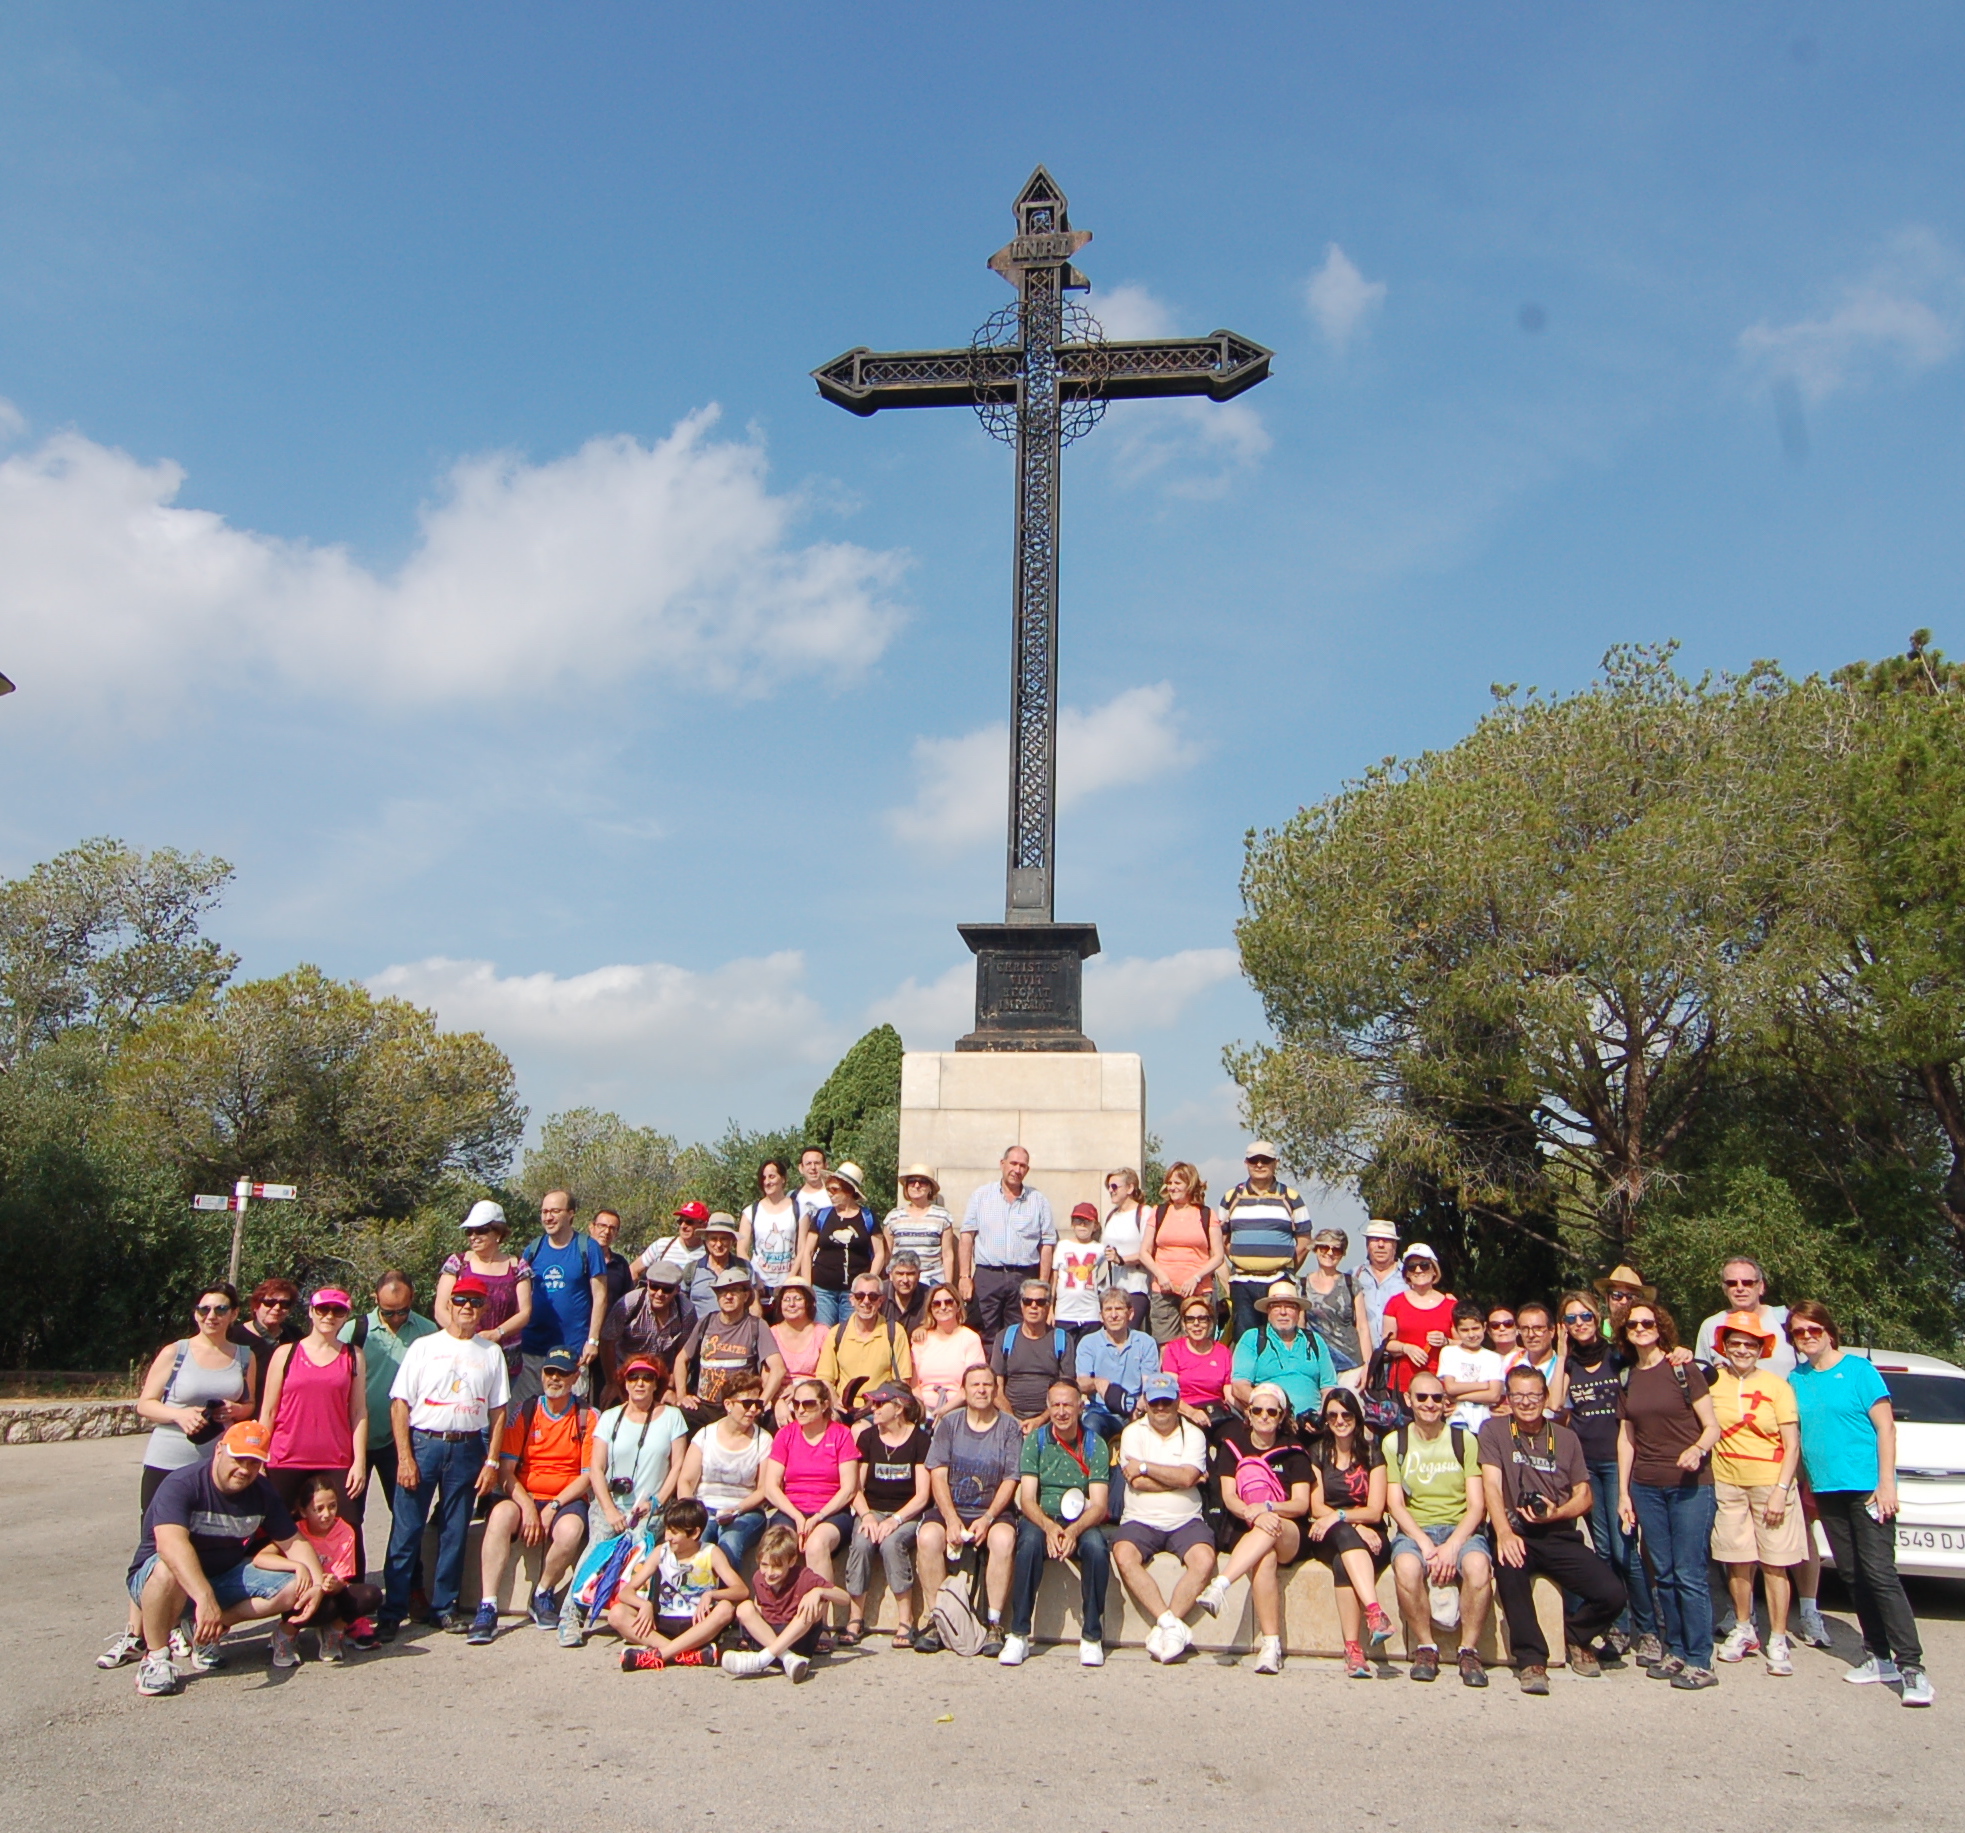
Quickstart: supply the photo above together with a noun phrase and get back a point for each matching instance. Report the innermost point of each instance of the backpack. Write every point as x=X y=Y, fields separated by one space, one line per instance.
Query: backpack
x=359 y=1335
x=1058 y=1337
x=1384 y=1411
x=530 y=1412
x=1403 y=1439
x=954 y=1615
x=1256 y=1481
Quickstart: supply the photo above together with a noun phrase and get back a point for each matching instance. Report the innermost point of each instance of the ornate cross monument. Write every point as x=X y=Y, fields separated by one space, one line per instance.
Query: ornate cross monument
x=1039 y=373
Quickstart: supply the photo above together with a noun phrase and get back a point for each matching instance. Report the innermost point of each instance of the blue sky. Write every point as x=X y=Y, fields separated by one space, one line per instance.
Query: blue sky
x=413 y=491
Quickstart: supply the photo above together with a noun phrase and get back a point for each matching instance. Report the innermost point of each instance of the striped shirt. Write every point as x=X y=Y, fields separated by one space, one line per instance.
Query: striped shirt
x=1261 y=1228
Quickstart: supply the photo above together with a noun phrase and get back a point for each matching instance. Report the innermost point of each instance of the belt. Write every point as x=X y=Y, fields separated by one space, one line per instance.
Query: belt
x=1013 y=1266
x=449 y=1438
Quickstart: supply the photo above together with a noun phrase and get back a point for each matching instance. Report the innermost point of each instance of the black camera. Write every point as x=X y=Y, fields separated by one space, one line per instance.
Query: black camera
x=215 y=1413
x=620 y=1487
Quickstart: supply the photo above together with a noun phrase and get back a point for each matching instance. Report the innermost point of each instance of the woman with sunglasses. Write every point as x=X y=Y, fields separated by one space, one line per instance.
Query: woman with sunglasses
x=507 y=1281
x=1593 y=1377
x=1347 y=1514
x=1665 y=1480
x=1334 y=1306
x=1124 y=1233
x=723 y=1469
x=316 y=1405
x=800 y=1338
x=1849 y=1447
x=944 y=1350
x=1262 y=1477
x=812 y=1475
x=268 y=1320
x=1202 y=1364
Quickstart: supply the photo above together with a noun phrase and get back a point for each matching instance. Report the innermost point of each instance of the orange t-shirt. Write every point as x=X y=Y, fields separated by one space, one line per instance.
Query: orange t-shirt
x=554 y=1452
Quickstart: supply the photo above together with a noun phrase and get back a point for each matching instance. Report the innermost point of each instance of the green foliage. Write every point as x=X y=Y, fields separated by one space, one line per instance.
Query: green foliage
x=856 y=1113
x=723 y=1174
x=607 y=1164
x=101 y=937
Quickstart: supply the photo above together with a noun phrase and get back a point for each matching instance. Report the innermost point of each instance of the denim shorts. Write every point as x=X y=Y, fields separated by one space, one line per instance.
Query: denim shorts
x=1437 y=1536
x=230 y=1588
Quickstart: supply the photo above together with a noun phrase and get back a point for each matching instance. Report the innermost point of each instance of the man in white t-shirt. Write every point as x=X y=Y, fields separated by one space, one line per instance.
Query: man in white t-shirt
x=447 y=1408
x=810 y=1196
x=1745 y=1287
x=1473 y=1374
x=1165 y=1458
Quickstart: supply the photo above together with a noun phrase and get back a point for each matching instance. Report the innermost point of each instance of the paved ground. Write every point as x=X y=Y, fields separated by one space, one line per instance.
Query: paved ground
x=431 y=1734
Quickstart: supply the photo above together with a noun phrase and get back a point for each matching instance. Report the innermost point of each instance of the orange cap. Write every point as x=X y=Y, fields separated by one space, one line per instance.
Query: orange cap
x=249 y=1439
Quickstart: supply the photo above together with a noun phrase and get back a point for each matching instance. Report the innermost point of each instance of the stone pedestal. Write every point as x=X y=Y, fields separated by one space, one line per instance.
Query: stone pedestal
x=1029 y=979
x=1078 y=1113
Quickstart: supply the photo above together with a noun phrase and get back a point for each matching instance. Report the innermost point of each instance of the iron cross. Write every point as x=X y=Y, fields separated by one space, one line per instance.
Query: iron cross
x=1039 y=373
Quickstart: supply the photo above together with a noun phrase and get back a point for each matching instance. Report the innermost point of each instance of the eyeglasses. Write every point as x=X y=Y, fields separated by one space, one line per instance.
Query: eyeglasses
x=1265 y=1412
x=1579 y=1317
x=1806 y=1332
x=211 y=1311
x=1524 y=1397
x=1540 y=1329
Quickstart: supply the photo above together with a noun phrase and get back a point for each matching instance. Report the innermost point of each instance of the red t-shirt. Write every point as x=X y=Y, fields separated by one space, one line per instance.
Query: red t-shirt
x=1412 y=1322
x=779 y=1607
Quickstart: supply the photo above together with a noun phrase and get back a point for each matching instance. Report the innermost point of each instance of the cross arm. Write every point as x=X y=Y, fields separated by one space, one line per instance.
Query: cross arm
x=1221 y=366
x=864 y=381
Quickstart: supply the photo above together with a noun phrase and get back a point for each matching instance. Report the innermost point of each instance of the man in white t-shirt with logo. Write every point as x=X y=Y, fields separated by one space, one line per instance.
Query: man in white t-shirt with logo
x=1165 y=1459
x=1473 y=1374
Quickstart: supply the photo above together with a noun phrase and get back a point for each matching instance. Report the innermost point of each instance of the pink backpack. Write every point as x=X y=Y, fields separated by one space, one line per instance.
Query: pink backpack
x=1256 y=1481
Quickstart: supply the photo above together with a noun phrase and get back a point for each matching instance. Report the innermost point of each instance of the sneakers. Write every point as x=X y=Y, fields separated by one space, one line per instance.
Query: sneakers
x=796 y=1666
x=1473 y=1670
x=180 y=1645
x=156 y=1677
x=122 y=1650
x=1647 y=1651
x=1156 y=1642
x=1583 y=1662
x=748 y=1663
x=992 y=1642
x=695 y=1658
x=1269 y=1655
x=1426 y=1663
x=1615 y=1642
x=387 y=1628
x=1740 y=1643
x=571 y=1635
x=1175 y=1640
x=1213 y=1595
x=1379 y=1626
x=1356 y=1667
x=1090 y=1654
x=286 y=1647
x=544 y=1610
x=332 y=1646
x=1694 y=1680
x=448 y=1622
x=1809 y=1626
x=1666 y=1667
x=1918 y=1690
x=1874 y=1673
x=1016 y=1651
x=1780 y=1657
x=362 y=1633
x=1534 y=1679
x=207 y=1657
x=641 y=1661
x=484 y=1626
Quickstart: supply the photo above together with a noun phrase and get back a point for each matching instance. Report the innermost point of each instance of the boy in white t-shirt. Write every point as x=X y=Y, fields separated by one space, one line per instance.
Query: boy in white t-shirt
x=1075 y=1274
x=1473 y=1375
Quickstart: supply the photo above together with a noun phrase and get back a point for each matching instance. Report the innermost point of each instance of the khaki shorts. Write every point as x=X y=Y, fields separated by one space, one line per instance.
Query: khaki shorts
x=1741 y=1535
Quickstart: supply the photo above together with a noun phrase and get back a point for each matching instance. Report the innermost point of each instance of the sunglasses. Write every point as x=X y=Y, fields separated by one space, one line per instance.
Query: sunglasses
x=1499 y=1322
x=1152 y=1404
x=944 y=1304
x=1806 y=1332
x=866 y=1298
x=1265 y=1412
x=638 y=1378
x=807 y=1405
x=467 y=1302
x=1036 y=1301
x=750 y=1403
x=212 y=1311
x=1579 y=1317
x=274 y=1304
x=1326 y=1247
x=1426 y=1400
x=1748 y=1281
x=1640 y=1323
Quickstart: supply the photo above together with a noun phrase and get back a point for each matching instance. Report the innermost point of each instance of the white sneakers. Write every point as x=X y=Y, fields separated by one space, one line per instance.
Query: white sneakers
x=1740 y=1643
x=1016 y=1651
x=1269 y=1655
x=157 y=1678
x=1780 y=1655
x=747 y=1663
x=1874 y=1673
x=286 y=1647
x=1169 y=1639
x=796 y=1666
x=1213 y=1596
x=1918 y=1690
x=1091 y=1654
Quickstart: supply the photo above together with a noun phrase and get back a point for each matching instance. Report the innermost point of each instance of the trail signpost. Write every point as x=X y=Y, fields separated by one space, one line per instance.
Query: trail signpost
x=243 y=1192
x=1039 y=374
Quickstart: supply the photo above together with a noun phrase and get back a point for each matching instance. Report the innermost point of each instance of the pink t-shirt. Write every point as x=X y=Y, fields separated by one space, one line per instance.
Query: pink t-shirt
x=812 y=1471
x=801 y=1358
x=311 y=1430
x=335 y=1549
x=939 y=1364
x=1203 y=1374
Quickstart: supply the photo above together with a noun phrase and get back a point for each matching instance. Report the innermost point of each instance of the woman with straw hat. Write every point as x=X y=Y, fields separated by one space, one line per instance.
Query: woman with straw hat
x=920 y=1225
x=839 y=1244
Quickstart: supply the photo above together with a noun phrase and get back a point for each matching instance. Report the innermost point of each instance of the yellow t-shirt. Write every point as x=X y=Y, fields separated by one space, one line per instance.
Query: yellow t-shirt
x=1751 y=1414
x=847 y=1355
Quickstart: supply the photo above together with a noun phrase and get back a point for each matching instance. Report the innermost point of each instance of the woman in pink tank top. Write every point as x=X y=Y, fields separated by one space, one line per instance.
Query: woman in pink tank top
x=316 y=1403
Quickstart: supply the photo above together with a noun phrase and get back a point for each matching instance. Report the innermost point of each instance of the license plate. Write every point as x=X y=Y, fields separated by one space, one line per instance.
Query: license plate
x=1930 y=1540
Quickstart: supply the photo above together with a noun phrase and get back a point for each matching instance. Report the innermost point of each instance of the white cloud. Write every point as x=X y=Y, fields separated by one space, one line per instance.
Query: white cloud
x=13 y=423
x=963 y=782
x=614 y=559
x=1904 y=316
x=1340 y=298
x=1194 y=448
x=1136 y=993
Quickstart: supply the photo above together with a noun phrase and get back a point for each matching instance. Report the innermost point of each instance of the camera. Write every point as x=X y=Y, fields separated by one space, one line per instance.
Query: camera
x=1536 y=1508
x=215 y=1412
x=620 y=1487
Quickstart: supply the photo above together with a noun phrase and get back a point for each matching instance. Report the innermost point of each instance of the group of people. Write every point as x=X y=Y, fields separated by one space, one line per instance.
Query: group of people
x=711 y=1445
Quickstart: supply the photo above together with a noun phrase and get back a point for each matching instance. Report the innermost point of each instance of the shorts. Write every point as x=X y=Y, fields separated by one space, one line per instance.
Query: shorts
x=807 y=1644
x=1741 y=1535
x=576 y=1508
x=1438 y=1535
x=230 y=1588
x=841 y=1521
x=1179 y=1541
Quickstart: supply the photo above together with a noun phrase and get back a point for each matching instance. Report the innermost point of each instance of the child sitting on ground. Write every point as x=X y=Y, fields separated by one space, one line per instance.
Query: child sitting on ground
x=785 y=1614
x=345 y=1601
x=671 y=1607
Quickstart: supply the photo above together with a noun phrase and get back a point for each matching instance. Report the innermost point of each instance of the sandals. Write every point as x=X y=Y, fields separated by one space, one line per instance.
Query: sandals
x=904 y=1636
x=851 y=1636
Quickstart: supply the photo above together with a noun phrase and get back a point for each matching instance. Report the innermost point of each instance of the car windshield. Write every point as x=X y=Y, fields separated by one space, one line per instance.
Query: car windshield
x=1926 y=1400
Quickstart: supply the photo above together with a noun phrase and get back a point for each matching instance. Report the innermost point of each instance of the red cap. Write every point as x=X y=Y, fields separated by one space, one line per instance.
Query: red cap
x=469 y=1285
x=693 y=1212
x=1084 y=1212
x=249 y=1439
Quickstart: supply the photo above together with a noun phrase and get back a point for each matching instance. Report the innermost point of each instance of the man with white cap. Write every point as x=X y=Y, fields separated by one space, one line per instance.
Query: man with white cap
x=1379 y=1279
x=1266 y=1228
x=199 y=1533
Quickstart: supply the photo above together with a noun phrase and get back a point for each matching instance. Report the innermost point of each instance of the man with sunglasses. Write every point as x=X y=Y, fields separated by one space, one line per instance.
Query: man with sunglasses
x=1743 y=1285
x=1031 y=1354
x=1536 y=1490
x=1267 y=1231
x=1434 y=1494
x=447 y=1410
x=866 y=1351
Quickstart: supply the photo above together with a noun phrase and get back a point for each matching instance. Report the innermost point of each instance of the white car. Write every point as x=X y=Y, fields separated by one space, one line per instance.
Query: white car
x=1928 y=1397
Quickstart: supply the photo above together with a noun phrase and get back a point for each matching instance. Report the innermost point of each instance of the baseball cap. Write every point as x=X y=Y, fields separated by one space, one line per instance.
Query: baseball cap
x=1379 y=1230
x=1419 y=1251
x=469 y=1285
x=249 y=1438
x=664 y=1273
x=562 y=1359
x=331 y=1298
x=1261 y=1148
x=889 y=1390
x=693 y=1212
x=1160 y=1387
x=1084 y=1212
x=729 y=1279
x=485 y=1214
x=721 y=1223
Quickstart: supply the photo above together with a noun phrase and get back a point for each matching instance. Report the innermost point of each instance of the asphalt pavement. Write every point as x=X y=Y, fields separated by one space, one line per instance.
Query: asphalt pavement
x=429 y=1733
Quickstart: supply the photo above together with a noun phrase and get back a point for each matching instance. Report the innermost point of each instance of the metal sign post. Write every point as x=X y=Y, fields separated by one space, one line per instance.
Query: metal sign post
x=242 y=1193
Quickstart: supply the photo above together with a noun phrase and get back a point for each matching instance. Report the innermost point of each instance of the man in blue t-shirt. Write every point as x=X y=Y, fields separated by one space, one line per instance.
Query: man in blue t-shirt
x=569 y=1297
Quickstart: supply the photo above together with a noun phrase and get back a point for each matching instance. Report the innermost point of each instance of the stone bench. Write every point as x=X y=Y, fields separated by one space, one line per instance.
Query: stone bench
x=49 y=1422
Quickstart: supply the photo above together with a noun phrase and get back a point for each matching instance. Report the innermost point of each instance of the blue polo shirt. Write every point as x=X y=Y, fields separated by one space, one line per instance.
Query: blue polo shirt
x=1125 y=1365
